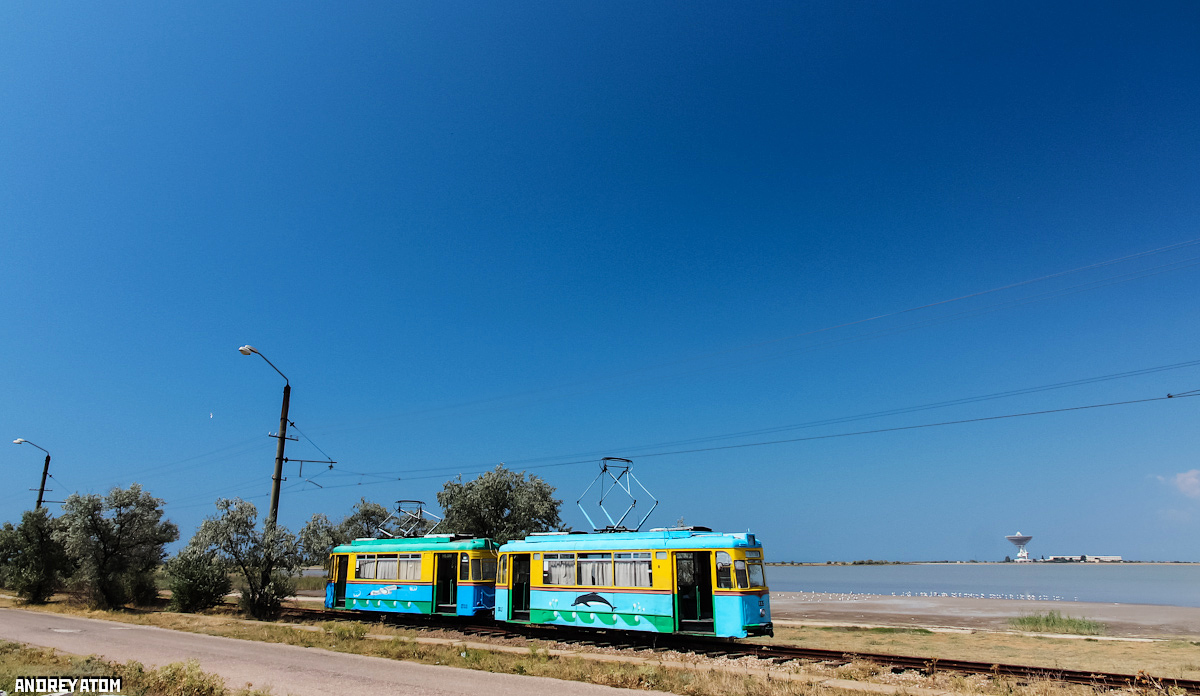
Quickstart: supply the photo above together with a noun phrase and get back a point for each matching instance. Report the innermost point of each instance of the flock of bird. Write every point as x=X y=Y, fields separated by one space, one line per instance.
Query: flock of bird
x=805 y=596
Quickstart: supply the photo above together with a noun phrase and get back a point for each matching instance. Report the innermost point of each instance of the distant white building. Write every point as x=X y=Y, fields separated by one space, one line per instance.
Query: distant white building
x=1084 y=559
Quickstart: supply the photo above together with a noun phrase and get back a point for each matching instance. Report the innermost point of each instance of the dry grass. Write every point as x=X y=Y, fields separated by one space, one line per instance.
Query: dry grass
x=175 y=679
x=702 y=676
x=311 y=582
x=1169 y=658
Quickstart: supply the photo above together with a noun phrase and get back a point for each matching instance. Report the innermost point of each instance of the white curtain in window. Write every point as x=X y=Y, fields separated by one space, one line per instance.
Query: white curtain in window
x=410 y=568
x=560 y=571
x=385 y=568
x=631 y=573
x=595 y=569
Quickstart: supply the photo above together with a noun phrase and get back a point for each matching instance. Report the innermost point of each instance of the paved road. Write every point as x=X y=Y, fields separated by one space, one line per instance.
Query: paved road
x=287 y=669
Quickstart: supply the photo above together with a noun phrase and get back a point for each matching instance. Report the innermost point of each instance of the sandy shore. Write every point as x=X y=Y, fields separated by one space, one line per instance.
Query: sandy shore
x=1133 y=620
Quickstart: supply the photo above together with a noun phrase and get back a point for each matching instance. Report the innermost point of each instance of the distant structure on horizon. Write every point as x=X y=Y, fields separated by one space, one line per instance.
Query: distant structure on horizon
x=1019 y=540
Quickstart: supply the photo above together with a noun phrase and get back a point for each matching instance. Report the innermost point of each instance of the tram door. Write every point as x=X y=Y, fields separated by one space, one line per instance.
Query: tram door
x=519 y=597
x=339 y=580
x=445 y=579
x=693 y=591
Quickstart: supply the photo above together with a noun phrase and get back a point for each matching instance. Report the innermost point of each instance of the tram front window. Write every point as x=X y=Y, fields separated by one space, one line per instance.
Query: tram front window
x=739 y=569
x=756 y=575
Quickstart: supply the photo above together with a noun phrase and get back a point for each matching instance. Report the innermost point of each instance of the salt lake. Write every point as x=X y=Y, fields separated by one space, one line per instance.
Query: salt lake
x=1176 y=584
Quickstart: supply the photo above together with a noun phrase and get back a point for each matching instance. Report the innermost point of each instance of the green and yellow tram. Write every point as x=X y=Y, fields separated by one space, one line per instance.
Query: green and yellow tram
x=689 y=580
x=435 y=574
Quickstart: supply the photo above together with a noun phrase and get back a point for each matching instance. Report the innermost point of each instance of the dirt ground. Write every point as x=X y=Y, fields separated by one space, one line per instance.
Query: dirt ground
x=1127 y=620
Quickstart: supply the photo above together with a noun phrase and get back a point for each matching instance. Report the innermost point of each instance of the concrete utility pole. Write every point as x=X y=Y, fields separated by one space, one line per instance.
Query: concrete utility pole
x=281 y=435
x=45 y=471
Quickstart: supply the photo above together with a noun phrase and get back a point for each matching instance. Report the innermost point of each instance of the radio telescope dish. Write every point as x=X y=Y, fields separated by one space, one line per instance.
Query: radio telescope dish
x=1020 y=540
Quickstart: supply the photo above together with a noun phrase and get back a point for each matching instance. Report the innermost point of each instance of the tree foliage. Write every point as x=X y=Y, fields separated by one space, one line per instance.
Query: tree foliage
x=500 y=504
x=33 y=562
x=366 y=520
x=317 y=538
x=198 y=579
x=117 y=542
x=266 y=560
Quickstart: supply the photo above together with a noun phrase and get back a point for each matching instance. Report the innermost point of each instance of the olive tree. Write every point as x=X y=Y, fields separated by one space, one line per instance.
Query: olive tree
x=266 y=559
x=500 y=504
x=116 y=542
x=366 y=519
x=33 y=562
x=317 y=538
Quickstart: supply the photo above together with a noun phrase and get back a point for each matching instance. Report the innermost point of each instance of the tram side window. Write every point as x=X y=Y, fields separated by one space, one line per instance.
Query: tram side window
x=724 y=576
x=386 y=566
x=503 y=570
x=364 y=567
x=739 y=569
x=632 y=570
x=558 y=569
x=409 y=567
x=489 y=569
x=596 y=569
x=464 y=567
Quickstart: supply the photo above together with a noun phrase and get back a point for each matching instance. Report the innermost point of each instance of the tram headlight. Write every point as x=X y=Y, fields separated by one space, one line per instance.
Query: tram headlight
x=762 y=613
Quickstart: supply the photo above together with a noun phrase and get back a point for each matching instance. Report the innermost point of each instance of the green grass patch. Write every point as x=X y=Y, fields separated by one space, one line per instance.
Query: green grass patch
x=877 y=629
x=1055 y=622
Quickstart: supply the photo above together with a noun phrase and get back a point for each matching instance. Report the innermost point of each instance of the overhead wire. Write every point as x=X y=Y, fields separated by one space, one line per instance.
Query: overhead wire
x=1082 y=287
x=1091 y=285
x=296 y=486
x=392 y=475
x=821 y=437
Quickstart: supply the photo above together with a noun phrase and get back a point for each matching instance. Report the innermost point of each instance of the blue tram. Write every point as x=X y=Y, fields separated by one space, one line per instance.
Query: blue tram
x=688 y=580
x=435 y=574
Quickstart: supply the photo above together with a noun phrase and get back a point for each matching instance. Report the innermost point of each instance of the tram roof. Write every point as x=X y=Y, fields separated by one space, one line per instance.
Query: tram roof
x=414 y=544
x=659 y=539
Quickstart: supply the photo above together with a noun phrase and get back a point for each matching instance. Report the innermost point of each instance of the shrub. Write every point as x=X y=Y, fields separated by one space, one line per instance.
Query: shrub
x=33 y=562
x=198 y=580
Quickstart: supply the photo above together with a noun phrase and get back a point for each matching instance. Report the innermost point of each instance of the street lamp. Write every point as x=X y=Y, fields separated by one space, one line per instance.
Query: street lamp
x=282 y=435
x=45 y=470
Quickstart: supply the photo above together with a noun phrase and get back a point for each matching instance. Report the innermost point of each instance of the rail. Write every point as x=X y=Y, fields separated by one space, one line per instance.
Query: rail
x=779 y=654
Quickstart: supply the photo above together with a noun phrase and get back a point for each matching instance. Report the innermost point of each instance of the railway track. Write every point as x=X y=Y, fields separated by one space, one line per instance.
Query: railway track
x=779 y=654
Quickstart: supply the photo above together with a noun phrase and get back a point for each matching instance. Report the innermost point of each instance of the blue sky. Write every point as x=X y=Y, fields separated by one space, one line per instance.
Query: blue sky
x=536 y=233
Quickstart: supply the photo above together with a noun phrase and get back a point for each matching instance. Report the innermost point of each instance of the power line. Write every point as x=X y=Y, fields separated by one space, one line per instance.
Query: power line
x=390 y=475
x=1090 y=285
x=923 y=425
x=837 y=435
x=1181 y=395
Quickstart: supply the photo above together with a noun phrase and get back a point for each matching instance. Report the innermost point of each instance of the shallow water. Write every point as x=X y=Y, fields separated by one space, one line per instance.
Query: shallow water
x=1127 y=583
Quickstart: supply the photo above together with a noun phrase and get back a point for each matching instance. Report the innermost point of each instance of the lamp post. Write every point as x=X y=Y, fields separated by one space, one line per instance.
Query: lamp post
x=45 y=470
x=281 y=435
